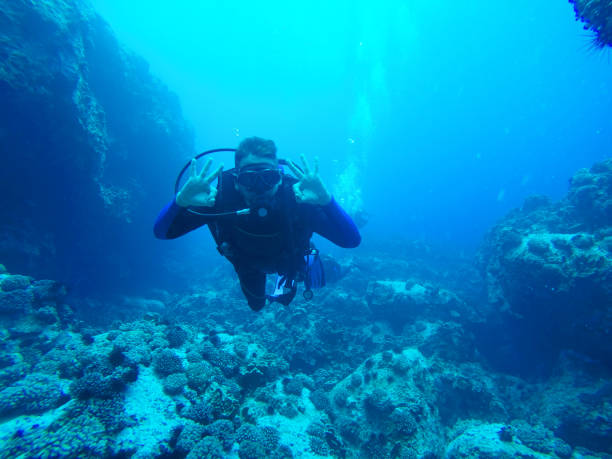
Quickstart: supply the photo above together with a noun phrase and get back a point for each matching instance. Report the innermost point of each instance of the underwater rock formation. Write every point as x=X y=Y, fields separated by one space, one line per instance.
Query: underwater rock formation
x=597 y=17
x=496 y=440
x=85 y=134
x=548 y=269
x=222 y=386
x=581 y=415
x=393 y=393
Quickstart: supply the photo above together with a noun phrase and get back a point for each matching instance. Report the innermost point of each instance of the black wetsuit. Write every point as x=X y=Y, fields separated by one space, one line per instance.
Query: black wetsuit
x=257 y=245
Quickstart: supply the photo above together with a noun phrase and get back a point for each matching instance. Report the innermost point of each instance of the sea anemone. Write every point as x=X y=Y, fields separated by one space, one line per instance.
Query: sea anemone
x=597 y=17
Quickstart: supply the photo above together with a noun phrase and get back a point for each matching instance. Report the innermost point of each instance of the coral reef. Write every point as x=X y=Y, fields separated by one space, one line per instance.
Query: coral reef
x=230 y=388
x=548 y=270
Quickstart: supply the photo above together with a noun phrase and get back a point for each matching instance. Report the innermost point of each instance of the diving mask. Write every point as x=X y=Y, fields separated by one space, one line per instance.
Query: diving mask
x=258 y=178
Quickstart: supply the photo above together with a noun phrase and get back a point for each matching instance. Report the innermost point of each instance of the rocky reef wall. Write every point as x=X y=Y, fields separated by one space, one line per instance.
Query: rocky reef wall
x=86 y=133
x=548 y=270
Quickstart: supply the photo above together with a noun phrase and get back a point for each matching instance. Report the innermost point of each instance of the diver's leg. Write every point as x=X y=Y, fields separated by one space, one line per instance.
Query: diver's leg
x=253 y=284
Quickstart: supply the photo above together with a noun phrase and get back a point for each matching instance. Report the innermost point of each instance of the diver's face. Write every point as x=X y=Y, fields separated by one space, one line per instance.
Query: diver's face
x=258 y=171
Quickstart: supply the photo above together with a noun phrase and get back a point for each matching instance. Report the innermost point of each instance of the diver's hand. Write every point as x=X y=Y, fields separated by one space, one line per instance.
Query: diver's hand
x=310 y=189
x=198 y=190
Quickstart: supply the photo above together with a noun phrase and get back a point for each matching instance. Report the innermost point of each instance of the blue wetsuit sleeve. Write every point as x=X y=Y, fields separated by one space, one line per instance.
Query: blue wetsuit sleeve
x=174 y=221
x=333 y=223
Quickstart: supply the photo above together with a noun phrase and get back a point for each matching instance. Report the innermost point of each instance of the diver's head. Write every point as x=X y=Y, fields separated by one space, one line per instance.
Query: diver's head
x=257 y=174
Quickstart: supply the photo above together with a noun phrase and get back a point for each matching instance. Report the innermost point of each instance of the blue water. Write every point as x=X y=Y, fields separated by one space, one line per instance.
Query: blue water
x=435 y=119
x=448 y=113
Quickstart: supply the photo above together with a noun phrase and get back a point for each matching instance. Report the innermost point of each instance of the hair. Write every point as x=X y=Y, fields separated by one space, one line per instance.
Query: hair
x=255 y=146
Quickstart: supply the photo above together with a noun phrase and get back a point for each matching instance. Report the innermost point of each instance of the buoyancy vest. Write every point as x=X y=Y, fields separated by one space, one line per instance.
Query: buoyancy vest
x=274 y=242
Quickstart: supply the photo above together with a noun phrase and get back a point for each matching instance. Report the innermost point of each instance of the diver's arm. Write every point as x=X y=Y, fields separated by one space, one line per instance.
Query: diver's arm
x=333 y=223
x=174 y=221
x=325 y=215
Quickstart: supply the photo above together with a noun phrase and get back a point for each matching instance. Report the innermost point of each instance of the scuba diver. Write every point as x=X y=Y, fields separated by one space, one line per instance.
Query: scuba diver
x=261 y=219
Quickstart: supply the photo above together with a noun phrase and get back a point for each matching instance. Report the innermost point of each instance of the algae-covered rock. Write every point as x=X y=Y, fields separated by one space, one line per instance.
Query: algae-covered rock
x=550 y=287
x=210 y=447
x=402 y=302
x=15 y=282
x=487 y=440
x=175 y=383
x=400 y=407
x=36 y=393
x=167 y=362
x=16 y=301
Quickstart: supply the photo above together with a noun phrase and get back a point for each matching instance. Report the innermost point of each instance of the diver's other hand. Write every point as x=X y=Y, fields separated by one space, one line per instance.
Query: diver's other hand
x=310 y=188
x=197 y=190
